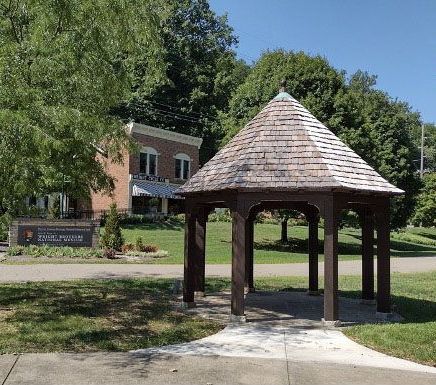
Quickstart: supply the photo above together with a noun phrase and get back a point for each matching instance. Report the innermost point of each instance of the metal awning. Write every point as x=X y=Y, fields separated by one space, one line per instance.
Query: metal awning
x=154 y=189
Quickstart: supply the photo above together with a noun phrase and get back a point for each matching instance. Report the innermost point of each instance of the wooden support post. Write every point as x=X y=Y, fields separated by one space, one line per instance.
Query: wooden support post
x=200 y=254
x=331 y=314
x=383 y=259
x=189 y=261
x=313 y=254
x=239 y=234
x=249 y=249
x=367 y=220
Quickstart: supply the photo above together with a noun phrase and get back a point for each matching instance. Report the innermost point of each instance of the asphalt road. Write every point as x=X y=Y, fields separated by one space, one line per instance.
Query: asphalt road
x=58 y=272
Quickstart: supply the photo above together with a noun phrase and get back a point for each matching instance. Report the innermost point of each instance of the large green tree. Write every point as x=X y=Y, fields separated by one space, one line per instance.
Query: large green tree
x=64 y=64
x=201 y=74
x=311 y=80
x=425 y=213
x=377 y=127
x=429 y=146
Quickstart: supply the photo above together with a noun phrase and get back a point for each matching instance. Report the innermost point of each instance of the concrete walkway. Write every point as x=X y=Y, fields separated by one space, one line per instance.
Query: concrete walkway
x=55 y=272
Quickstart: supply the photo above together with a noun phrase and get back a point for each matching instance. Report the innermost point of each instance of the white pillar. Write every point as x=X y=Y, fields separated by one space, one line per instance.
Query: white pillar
x=129 y=194
x=164 y=205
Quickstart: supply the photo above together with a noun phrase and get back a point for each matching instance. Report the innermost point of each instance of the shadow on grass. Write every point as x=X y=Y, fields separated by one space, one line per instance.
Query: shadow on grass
x=167 y=225
x=296 y=245
x=112 y=315
x=427 y=233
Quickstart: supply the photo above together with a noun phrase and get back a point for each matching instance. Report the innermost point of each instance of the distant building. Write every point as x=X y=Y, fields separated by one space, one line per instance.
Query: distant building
x=145 y=182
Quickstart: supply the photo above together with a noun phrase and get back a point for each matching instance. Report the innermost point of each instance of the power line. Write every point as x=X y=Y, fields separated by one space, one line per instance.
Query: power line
x=183 y=114
x=168 y=113
x=165 y=113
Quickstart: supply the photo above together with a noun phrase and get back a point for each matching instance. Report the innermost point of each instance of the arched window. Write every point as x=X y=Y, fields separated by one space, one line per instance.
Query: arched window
x=148 y=161
x=182 y=166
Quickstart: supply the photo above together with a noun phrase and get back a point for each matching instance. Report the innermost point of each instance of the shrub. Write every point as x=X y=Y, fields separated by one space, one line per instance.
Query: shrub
x=54 y=212
x=109 y=253
x=5 y=222
x=54 y=251
x=127 y=247
x=155 y=254
x=112 y=238
x=149 y=248
x=220 y=216
x=139 y=244
x=135 y=219
x=15 y=250
x=141 y=247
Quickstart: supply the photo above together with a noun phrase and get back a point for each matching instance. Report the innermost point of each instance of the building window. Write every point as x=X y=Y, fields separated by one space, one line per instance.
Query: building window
x=182 y=166
x=185 y=171
x=148 y=161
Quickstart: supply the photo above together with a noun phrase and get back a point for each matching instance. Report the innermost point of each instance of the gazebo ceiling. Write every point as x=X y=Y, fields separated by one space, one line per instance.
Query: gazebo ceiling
x=285 y=147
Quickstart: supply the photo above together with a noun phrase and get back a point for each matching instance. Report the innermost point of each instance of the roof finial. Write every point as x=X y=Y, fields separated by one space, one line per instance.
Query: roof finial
x=283 y=85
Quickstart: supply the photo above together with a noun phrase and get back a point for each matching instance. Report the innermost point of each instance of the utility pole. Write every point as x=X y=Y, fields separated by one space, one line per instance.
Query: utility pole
x=421 y=168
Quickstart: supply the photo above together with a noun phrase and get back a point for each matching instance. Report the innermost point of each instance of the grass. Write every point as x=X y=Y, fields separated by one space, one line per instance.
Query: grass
x=83 y=316
x=267 y=248
x=120 y=315
x=414 y=296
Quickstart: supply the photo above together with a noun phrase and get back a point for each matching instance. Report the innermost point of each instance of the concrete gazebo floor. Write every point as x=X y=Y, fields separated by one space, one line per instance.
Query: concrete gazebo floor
x=291 y=308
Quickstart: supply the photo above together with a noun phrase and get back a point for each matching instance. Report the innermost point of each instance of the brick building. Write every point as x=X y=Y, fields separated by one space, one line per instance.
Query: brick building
x=146 y=182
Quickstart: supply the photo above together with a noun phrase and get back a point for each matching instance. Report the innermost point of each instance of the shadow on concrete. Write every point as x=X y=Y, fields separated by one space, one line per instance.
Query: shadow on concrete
x=296 y=308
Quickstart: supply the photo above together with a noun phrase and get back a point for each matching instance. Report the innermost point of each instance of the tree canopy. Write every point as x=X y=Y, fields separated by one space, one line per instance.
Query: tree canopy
x=201 y=73
x=64 y=64
x=374 y=125
x=425 y=213
x=71 y=70
x=429 y=147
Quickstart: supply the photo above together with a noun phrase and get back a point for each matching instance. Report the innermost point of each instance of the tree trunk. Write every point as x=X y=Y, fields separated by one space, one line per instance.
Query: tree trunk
x=284 y=238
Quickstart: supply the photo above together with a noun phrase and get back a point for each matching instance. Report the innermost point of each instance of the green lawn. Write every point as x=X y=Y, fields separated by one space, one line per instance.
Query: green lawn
x=92 y=315
x=414 y=296
x=267 y=249
x=120 y=315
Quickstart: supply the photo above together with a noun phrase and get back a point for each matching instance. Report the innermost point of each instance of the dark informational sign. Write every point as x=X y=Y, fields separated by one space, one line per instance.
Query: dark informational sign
x=77 y=236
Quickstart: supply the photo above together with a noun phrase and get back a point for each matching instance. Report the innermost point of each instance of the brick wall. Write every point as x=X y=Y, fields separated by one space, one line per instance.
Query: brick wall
x=166 y=149
x=120 y=195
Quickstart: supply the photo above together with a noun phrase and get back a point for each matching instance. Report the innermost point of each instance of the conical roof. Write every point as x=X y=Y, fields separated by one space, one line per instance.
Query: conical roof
x=285 y=147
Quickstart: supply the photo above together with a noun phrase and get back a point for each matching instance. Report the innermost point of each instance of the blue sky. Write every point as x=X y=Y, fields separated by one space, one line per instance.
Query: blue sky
x=393 y=39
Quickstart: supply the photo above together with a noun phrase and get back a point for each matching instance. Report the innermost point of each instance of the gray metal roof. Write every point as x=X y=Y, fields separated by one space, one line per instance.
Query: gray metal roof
x=285 y=147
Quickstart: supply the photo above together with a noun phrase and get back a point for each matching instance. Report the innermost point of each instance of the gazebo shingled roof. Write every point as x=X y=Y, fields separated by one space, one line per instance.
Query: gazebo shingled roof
x=285 y=147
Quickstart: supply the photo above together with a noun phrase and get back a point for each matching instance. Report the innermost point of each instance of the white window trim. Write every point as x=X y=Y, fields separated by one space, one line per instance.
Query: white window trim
x=150 y=151
x=181 y=156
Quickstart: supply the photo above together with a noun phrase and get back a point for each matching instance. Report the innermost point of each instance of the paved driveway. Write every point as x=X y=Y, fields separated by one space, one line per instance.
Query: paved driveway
x=56 y=272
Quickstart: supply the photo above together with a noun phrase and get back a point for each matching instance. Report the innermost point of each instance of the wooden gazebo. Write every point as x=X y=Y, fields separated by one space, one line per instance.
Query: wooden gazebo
x=284 y=158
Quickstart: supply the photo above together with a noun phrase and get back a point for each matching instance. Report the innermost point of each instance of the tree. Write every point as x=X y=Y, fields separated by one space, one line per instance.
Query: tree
x=374 y=125
x=201 y=74
x=311 y=80
x=112 y=237
x=425 y=213
x=379 y=129
x=429 y=147
x=64 y=64
x=284 y=216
